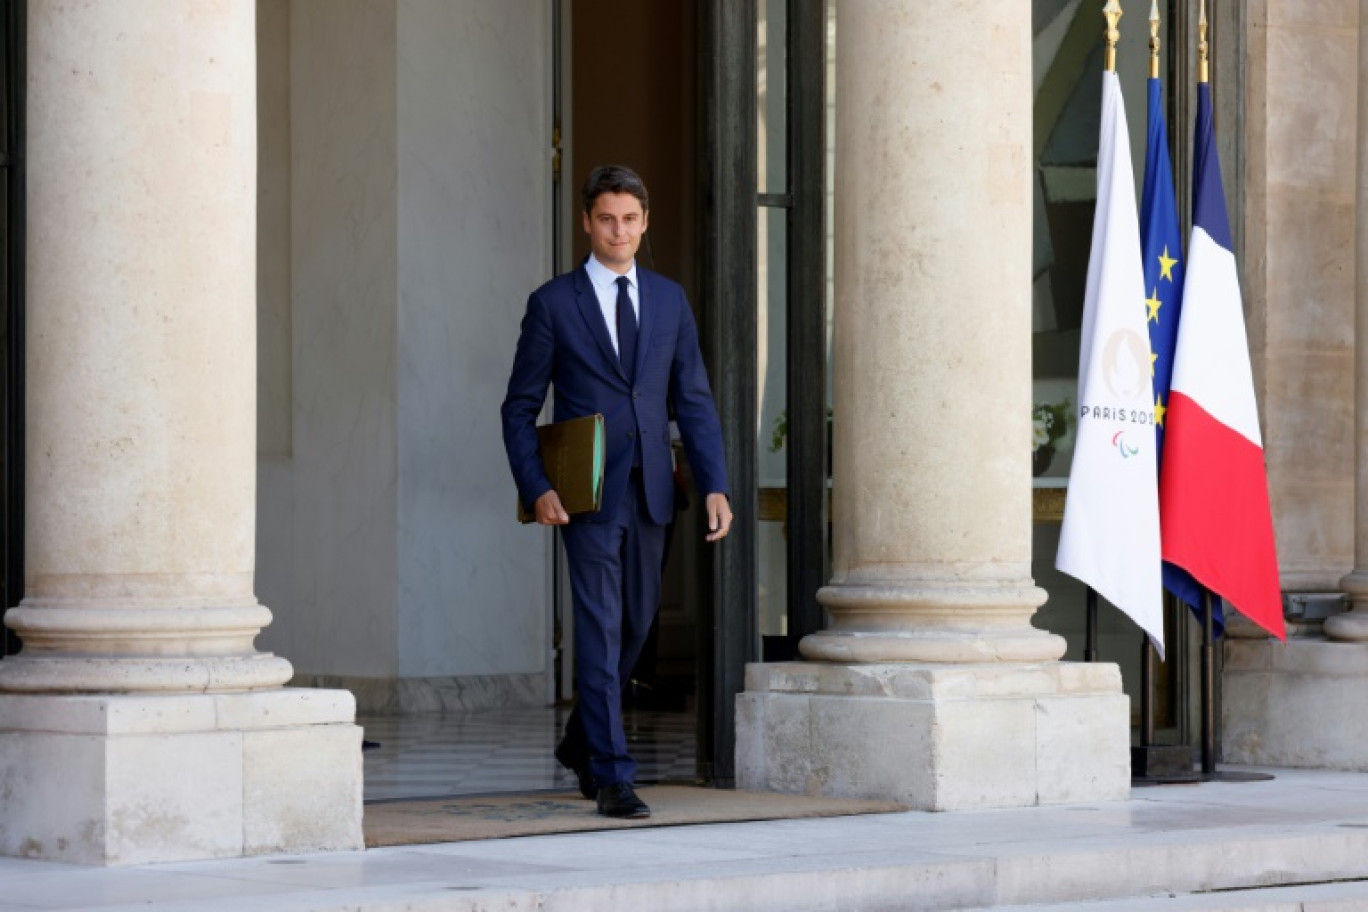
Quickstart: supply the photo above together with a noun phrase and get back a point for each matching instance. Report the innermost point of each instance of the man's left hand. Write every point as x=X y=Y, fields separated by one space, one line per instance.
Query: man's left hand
x=719 y=517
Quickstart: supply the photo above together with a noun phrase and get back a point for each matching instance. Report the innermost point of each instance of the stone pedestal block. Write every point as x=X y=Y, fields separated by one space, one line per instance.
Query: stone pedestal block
x=939 y=737
x=1300 y=705
x=135 y=779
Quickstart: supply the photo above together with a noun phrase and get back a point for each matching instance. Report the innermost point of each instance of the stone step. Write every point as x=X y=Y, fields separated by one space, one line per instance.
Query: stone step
x=1297 y=843
x=1207 y=875
x=1344 y=896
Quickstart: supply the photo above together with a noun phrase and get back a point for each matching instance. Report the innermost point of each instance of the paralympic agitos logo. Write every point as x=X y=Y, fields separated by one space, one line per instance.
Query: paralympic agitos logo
x=1123 y=446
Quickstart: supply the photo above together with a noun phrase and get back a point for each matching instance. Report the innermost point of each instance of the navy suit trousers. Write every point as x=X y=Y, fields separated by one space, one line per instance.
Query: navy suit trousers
x=615 y=569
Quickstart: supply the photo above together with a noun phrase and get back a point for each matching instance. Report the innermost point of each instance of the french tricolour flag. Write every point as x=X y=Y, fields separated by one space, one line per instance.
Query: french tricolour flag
x=1213 y=492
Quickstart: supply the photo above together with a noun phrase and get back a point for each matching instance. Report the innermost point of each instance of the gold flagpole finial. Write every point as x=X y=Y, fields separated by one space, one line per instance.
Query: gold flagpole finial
x=1202 y=70
x=1112 y=13
x=1154 y=39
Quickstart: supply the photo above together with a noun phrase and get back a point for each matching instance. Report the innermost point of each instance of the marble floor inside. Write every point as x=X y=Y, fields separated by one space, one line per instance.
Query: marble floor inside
x=508 y=750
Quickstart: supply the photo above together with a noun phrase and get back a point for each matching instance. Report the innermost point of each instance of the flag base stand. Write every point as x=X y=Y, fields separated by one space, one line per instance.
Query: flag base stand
x=1162 y=764
x=1236 y=776
x=1156 y=764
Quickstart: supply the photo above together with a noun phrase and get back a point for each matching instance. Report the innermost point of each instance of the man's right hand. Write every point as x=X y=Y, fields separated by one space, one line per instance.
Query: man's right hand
x=549 y=510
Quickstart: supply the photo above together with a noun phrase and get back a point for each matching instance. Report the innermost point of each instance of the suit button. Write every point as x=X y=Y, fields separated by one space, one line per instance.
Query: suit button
x=636 y=394
x=631 y=435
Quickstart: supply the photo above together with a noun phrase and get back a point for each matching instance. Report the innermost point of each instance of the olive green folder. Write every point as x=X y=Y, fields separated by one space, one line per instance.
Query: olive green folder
x=572 y=454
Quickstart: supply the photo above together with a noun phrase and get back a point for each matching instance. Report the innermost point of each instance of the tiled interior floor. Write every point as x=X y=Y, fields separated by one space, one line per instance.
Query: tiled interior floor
x=509 y=750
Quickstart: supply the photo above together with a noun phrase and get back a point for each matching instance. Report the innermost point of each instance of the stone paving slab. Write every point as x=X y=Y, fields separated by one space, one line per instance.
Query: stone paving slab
x=1334 y=897
x=1302 y=827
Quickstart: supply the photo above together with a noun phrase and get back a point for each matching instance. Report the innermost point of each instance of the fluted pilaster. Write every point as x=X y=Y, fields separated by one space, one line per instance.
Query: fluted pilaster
x=1353 y=626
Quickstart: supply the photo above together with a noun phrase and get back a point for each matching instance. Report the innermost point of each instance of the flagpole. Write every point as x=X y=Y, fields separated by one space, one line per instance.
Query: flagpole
x=1112 y=13
x=1147 y=646
x=1208 y=623
x=1147 y=692
x=1208 y=688
x=1114 y=473
x=1153 y=763
x=1209 y=720
x=1154 y=39
x=1203 y=70
x=1090 y=642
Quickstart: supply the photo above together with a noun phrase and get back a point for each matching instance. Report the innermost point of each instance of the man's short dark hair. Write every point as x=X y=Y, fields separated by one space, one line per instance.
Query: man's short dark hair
x=613 y=179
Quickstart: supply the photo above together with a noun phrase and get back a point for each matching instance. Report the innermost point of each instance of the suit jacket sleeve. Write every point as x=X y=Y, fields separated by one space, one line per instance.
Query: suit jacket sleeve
x=694 y=409
x=532 y=366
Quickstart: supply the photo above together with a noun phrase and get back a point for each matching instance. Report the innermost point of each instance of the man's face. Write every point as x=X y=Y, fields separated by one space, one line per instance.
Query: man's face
x=615 y=226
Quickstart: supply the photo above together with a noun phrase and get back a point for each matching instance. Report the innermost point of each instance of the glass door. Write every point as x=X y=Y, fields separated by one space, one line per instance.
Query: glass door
x=793 y=44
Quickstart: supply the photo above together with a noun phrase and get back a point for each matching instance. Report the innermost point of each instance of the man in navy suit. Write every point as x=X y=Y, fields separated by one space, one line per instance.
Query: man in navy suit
x=615 y=339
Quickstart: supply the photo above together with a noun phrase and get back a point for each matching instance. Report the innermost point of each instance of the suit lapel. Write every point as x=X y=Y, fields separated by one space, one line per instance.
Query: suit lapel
x=587 y=300
x=646 y=311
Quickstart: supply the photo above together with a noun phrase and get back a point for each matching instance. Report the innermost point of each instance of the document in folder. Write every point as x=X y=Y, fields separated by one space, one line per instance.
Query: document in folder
x=572 y=454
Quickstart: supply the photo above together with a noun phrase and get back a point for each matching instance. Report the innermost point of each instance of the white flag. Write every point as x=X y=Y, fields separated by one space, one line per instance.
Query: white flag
x=1110 y=536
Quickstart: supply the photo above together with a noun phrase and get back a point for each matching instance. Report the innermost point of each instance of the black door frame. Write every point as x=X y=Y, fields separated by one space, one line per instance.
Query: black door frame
x=807 y=508
x=729 y=209
x=729 y=632
x=12 y=402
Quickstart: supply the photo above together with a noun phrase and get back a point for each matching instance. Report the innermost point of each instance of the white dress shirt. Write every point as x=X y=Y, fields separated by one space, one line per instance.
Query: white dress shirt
x=604 y=281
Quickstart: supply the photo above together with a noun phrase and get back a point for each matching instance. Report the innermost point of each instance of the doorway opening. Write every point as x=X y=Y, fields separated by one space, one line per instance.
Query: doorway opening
x=629 y=96
x=625 y=89
x=413 y=185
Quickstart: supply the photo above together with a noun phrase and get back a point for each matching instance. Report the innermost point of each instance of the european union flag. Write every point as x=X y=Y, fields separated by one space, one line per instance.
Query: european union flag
x=1163 y=256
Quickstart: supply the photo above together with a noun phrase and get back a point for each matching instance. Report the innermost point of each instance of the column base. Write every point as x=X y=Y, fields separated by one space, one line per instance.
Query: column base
x=936 y=737
x=1301 y=705
x=134 y=779
x=159 y=675
x=1348 y=627
x=1351 y=625
x=939 y=621
x=1024 y=645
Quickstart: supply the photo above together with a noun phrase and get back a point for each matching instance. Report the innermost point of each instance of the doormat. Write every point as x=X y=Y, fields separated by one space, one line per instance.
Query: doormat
x=430 y=820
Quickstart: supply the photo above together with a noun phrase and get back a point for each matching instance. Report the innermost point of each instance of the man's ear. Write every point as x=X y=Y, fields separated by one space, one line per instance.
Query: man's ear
x=645 y=220
x=586 y=223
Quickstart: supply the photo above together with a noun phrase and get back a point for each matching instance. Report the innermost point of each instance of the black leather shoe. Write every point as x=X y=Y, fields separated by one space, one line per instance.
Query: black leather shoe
x=619 y=800
x=579 y=765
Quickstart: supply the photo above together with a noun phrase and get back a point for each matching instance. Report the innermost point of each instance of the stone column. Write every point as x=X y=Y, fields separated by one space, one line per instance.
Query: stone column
x=1353 y=626
x=932 y=495
x=931 y=506
x=139 y=723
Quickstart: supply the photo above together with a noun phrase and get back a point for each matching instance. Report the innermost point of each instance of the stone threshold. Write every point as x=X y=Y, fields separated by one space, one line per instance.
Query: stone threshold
x=1299 y=842
x=414 y=696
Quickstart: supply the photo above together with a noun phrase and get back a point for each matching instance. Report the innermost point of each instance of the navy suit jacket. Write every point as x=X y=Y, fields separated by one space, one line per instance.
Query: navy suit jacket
x=565 y=343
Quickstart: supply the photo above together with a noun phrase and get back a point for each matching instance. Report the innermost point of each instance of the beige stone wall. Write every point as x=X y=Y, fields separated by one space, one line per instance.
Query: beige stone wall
x=404 y=217
x=1300 y=135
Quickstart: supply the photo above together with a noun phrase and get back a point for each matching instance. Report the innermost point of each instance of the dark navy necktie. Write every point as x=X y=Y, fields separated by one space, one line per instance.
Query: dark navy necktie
x=626 y=328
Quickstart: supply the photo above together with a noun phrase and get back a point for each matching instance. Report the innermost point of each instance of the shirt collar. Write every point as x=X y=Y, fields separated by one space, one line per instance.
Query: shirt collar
x=603 y=277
